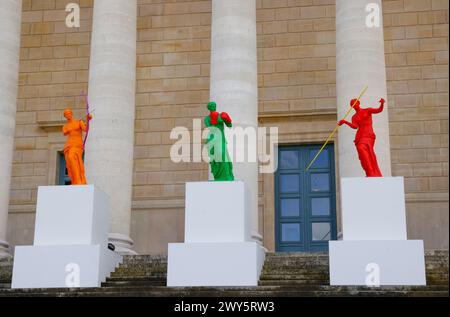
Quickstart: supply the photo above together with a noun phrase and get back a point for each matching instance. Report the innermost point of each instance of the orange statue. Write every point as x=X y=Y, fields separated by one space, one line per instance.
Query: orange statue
x=74 y=147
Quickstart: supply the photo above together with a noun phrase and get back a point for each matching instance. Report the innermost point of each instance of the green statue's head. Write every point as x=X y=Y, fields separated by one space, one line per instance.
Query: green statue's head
x=212 y=106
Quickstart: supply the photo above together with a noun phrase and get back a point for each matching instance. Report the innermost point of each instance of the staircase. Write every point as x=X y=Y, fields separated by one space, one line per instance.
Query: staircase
x=284 y=274
x=5 y=273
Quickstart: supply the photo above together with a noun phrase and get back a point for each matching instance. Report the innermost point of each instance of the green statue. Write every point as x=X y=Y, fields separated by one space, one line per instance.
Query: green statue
x=221 y=165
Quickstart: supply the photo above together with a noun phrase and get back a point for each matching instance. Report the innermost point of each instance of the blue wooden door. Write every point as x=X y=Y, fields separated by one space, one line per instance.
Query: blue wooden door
x=305 y=201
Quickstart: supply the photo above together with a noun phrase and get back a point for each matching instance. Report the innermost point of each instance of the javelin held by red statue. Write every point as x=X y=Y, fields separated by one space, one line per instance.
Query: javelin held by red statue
x=365 y=136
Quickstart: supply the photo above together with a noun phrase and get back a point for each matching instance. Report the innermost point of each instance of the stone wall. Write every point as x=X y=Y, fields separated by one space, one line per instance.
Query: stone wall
x=416 y=35
x=296 y=64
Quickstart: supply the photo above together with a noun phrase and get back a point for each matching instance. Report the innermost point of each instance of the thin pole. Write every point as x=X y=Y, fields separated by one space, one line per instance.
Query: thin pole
x=337 y=127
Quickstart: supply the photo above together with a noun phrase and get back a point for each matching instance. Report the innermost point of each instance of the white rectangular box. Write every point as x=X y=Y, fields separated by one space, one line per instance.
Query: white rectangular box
x=62 y=266
x=70 y=242
x=214 y=264
x=216 y=212
x=395 y=262
x=373 y=208
x=71 y=215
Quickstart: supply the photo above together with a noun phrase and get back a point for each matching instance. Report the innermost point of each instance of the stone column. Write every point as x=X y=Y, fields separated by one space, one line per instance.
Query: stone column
x=234 y=82
x=360 y=61
x=10 y=21
x=112 y=80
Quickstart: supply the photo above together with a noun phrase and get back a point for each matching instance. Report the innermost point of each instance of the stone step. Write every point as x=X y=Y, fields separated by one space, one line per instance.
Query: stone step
x=316 y=261
x=284 y=274
x=294 y=271
x=299 y=287
x=270 y=255
x=142 y=268
x=437 y=281
x=315 y=270
x=223 y=292
x=278 y=282
x=295 y=264
x=437 y=273
x=136 y=259
x=144 y=283
x=136 y=278
x=325 y=263
x=5 y=273
x=125 y=276
x=139 y=270
x=437 y=268
x=323 y=279
x=441 y=263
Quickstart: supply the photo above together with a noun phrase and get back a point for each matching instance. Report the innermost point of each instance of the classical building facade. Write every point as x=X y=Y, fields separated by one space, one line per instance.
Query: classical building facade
x=152 y=65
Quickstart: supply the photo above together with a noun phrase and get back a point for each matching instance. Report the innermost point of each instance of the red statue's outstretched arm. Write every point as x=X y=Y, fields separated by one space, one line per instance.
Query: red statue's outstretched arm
x=379 y=109
x=350 y=124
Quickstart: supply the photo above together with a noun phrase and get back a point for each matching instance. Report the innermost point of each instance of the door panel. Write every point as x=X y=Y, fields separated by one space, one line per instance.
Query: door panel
x=305 y=201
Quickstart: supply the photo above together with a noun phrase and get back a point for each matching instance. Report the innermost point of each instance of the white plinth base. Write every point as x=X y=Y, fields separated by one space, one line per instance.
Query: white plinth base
x=70 y=240
x=71 y=215
x=373 y=208
x=62 y=266
x=216 y=212
x=214 y=264
x=398 y=262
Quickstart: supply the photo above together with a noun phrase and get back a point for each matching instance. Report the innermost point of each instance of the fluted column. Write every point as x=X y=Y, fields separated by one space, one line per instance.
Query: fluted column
x=10 y=19
x=360 y=61
x=234 y=81
x=112 y=80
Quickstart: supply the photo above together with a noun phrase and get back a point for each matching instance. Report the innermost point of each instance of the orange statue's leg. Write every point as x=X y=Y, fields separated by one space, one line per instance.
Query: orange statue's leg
x=73 y=159
x=67 y=157
x=81 y=167
x=69 y=168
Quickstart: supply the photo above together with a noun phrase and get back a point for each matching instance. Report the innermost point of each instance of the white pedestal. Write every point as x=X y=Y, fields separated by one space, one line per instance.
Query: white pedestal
x=373 y=208
x=382 y=262
x=216 y=212
x=71 y=241
x=375 y=250
x=214 y=264
x=68 y=215
x=218 y=250
x=62 y=266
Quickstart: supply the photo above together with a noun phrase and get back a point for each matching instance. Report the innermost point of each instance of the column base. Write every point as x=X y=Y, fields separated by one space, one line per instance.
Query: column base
x=122 y=242
x=5 y=252
x=257 y=237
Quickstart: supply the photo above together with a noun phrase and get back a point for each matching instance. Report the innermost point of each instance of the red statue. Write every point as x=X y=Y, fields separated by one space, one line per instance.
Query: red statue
x=365 y=137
